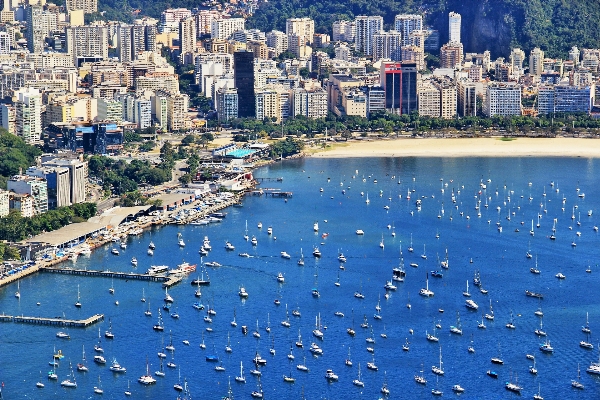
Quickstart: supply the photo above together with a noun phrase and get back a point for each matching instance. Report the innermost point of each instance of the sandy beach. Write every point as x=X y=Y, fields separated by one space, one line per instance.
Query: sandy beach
x=466 y=147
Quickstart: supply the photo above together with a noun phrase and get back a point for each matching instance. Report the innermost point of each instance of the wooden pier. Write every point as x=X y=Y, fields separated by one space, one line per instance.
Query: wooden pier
x=74 y=323
x=168 y=280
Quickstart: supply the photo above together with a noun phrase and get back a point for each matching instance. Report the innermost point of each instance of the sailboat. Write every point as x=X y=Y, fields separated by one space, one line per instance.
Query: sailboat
x=424 y=256
x=438 y=370
x=586 y=328
x=358 y=381
x=510 y=324
x=98 y=389
x=81 y=366
x=258 y=394
x=420 y=379
x=98 y=347
x=159 y=325
x=241 y=378
x=467 y=294
x=315 y=290
x=78 y=303
x=576 y=383
x=381 y=244
x=410 y=247
x=246 y=237
x=425 y=292
x=317 y=332
x=111 y=290
x=532 y=232
x=18 y=292
x=108 y=334
x=70 y=382
x=147 y=379
x=490 y=316
x=348 y=359
x=301 y=260
x=457 y=329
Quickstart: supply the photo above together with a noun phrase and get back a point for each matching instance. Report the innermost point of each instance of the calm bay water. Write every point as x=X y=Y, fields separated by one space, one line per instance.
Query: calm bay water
x=500 y=258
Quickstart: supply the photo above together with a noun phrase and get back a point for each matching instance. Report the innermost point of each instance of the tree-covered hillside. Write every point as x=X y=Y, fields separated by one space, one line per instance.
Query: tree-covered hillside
x=497 y=25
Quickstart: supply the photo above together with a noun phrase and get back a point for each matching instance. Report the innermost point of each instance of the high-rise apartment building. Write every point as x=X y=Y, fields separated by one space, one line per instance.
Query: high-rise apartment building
x=517 y=58
x=4 y=203
x=227 y=104
x=224 y=28
x=447 y=91
x=278 y=41
x=177 y=108
x=565 y=98
x=6 y=42
x=187 y=35
x=28 y=115
x=59 y=184
x=87 y=41
x=135 y=39
x=344 y=31
x=387 y=45
x=575 y=55
x=366 y=27
x=39 y=25
x=503 y=98
x=110 y=110
x=169 y=19
x=301 y=27
x=407 y=23
x=467 y=98
x=311 y=103
x=88 y=6
x=243 y=75
x=35 y=187
x=399 y=80
x=268 y=104
x=536 y=61
x=429 y=100
x=414 y=54
x=451 y=55
x=204 y=19
x=78 y=174
x=454 y=22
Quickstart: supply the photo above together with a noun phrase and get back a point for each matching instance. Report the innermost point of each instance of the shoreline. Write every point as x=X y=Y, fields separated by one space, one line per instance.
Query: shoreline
x=462 y=147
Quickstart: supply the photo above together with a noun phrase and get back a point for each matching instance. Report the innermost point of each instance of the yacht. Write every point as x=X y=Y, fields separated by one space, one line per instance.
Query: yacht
x=560 y=275
x=546 y=347
x=134 y=261
x=269 y=230
x=147 y=379
x=157 y=269
x=280 y=278
x=242 y=293
x=229 y=246
x=457 y=389
x=456 y=329
x=254 y=241
x=438 y=370
x=316 y=252
x=341 y=258
x=285 y=255
x=330 y=375
x=116 y=367
x=115 y=251
x=360 y=232
x=471 y=304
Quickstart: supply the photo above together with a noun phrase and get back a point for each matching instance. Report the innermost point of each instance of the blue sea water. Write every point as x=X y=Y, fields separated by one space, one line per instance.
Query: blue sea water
x=499 y=256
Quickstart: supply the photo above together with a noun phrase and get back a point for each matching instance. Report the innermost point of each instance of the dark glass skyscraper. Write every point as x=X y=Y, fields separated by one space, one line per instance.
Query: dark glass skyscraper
x=243 y=73
x=399 y=80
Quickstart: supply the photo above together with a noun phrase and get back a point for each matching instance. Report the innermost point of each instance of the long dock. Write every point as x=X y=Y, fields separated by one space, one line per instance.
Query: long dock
x=75 y=323
x=168 y=281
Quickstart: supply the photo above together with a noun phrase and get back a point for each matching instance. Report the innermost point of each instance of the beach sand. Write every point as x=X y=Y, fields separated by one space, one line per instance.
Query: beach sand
x=466 y=147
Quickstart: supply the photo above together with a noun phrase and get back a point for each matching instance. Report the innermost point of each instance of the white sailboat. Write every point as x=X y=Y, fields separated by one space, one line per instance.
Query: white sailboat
x=78 y=303
x=241 y=378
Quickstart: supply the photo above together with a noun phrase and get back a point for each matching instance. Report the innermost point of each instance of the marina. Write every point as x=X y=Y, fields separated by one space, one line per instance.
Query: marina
x=471 y=248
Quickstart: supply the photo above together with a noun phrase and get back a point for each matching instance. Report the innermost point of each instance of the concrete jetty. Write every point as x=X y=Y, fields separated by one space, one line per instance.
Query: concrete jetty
x=168 y=280
x=75 y=323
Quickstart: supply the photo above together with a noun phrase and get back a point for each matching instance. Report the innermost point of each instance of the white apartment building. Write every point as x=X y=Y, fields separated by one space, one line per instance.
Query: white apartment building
x=278 y=41
x=37 y=188
x=311 y=103
x=28 y=115
x=6 y=42
x=406 y=24
x=503 y=98
x=4 y=203
x=267 y=104
x=156 y=82
x=366 y=27
x=88 y=6
x=387 y=45
x=204 y=19
x=344 y=31
x=169 y=19
x=110 y=110
x=78 y=174
x=187 y=36
x=301 y=27
x=517 y=58
x=536 y=62
x=454 y=22
x=226 y=104
x=87 y=41
x=429 y=100
x=224 y=28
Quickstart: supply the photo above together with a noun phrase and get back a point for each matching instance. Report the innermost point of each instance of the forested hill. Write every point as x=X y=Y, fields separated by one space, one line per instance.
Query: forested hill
x=553 y=25
x=497 y=25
